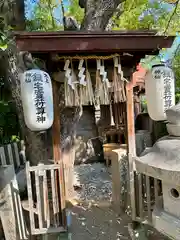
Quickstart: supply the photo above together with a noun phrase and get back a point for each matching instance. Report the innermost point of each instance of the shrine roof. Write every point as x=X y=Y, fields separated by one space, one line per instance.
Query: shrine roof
x=64 y=42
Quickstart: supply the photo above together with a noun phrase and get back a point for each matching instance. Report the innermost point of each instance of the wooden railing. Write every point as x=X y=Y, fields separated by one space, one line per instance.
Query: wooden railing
x=10 y=155
x=46 y=201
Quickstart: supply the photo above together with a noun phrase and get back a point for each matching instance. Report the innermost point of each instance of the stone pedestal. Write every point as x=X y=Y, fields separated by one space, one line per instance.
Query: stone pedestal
x=166 y=223
x=117 y=158
x=171 y=199
x=107 y=149
x=117 y=154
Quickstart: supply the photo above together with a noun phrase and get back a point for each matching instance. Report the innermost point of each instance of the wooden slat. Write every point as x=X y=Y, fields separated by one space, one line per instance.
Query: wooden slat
x=19 y=213
x=131 y=146
x=43 y=202
x=11 y=209
x=156 y=191
x=10 y=154
x=63 y=204
x=16 y=154
x=50 y=230
x=46 y=201
x=53 y=197
x=58 y=196
x=39 y=209
x=140 y=195
x=18 y=217
x=44 y=167
x=2 y=156
x=30 y=197
x=148 y=191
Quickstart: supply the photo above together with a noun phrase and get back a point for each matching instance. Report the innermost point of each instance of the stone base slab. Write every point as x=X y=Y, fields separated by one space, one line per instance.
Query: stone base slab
x=166 y=224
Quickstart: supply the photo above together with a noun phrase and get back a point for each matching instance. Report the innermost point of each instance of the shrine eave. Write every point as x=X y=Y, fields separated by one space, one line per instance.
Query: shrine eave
x=62 y=42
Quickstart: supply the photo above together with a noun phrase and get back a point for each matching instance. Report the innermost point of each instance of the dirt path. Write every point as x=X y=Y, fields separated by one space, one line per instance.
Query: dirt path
x=102 y=223
x=93 y=218
x=98 y=223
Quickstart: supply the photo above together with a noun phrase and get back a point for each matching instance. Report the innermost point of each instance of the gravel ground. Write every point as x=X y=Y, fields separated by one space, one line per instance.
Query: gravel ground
x=102 y=223
x=96 y=182
x=94 y=221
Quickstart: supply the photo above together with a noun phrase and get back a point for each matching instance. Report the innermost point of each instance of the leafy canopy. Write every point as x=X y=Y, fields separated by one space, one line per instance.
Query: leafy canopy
x=137 y=14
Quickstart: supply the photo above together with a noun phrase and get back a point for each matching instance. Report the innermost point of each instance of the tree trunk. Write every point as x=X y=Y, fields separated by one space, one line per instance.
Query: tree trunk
x=98 y=14
x=16 y=63
x=18 y=19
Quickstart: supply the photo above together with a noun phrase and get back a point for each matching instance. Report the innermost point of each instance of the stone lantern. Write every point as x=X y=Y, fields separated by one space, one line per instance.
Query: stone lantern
x=162 y=162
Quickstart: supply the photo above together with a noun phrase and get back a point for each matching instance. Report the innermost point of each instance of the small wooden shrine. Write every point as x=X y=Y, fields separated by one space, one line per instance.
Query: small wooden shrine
x=96 y=67
x=96 y=72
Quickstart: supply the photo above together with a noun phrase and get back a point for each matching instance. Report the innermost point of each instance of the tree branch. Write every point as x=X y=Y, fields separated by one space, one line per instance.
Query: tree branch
x=51 y=13
x=63 y=13
x=172 y=15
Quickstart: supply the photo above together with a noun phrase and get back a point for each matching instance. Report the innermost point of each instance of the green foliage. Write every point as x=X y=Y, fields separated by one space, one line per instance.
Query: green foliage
x=143 y=102
x=176 y=69
x=75 y=11
x=171 y=20
x=177 y=97
x=15 y=138
x=43 y=17
x=145 y=14
x=149 y=61
x=4 y=34
x=130 y=12
x=8 y=123
x=3 y=42
x=131 y=15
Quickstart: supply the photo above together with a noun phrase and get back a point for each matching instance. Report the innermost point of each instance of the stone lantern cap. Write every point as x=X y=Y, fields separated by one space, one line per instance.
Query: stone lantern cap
x=162 y=161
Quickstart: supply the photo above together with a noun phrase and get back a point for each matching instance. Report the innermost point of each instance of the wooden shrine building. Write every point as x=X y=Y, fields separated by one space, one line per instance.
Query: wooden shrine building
x=54 y=48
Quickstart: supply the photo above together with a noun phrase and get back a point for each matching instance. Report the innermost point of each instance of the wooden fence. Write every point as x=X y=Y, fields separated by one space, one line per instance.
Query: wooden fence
x=10 y=154
x=46 y=199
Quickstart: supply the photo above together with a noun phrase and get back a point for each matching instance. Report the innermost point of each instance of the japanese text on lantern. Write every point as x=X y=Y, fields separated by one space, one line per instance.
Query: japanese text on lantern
x=39 y=97
x=167 y=89
x=28 y=77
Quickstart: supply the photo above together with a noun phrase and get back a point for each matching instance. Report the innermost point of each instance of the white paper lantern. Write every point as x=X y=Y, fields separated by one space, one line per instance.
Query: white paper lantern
x=160 y=91
x=37 y=99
